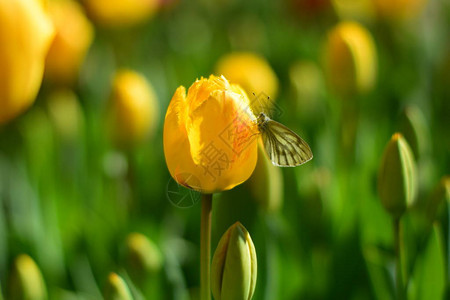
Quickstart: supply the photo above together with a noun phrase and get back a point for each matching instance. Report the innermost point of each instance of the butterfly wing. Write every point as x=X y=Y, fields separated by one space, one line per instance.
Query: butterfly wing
x=284 y=147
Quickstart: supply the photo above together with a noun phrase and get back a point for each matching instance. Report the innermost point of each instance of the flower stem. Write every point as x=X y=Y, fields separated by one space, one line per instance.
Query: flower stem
x=205 y=247
x=398 y=261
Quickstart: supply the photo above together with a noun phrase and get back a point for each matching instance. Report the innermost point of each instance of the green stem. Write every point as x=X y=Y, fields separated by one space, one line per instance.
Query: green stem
x=398 y=261
x=205 y=247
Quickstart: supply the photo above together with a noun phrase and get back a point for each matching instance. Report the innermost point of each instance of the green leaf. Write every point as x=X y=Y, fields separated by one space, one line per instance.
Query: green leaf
x=428 y=279
x=377 y=263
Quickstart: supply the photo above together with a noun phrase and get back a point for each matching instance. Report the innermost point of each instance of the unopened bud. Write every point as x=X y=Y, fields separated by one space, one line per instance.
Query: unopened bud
x=234 y=266
x=350 y=59
x=133 y=113
x=116 y=288
x=397 y=176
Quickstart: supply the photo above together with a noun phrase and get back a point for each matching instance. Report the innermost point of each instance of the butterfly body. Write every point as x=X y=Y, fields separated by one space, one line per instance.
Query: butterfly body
x=284 y=147
x=262 y=121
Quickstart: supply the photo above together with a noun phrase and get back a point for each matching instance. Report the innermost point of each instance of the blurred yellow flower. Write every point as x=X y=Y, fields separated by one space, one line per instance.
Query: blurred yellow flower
x=74 y=34
x=209 y=136
x=118 y=13
x=251 y=71
x=25 y=36
x=133 y=111
x=27 y=281
x=350 y=59
x=399 y=9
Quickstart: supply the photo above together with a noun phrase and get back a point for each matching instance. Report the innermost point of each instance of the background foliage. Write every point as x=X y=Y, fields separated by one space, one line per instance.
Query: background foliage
x=70 y=202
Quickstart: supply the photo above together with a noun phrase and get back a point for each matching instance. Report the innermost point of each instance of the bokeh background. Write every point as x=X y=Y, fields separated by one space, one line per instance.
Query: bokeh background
x=83 y=180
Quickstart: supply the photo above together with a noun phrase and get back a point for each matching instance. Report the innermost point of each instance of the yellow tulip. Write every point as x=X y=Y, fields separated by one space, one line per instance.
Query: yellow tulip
x=74 y=34
x=25 y=35
x=350 y=59
x=119 y=13
x=133 y=113
x=251 y=71
x=209 y=136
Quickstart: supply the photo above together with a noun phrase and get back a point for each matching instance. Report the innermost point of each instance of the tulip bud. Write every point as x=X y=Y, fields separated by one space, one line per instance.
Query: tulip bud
x=65 y=113
x=438 y=197
x=234 y=266
x=116 y=288
x=27 y=282
x=119 y=13
x=397 y=176
x=249 y=70
x=25 y=36
x=266 y=183
x=142 y=254
x=414 y=129
x=350 y=59
x=133 y=113
x=74 y=34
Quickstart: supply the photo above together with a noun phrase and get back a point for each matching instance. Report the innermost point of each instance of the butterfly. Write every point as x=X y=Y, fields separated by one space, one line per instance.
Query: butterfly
x=284 y=147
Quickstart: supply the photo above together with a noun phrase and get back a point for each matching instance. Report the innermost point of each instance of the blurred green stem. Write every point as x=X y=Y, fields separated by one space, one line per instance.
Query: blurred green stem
x=271 y=284
x=448 y=249
x=398 y=261
x=205 y=247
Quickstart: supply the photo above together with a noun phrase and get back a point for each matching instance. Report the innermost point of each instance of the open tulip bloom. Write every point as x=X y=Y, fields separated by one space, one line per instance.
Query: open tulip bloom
x=210 y=146
x=210 y=134
x=209 y=138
